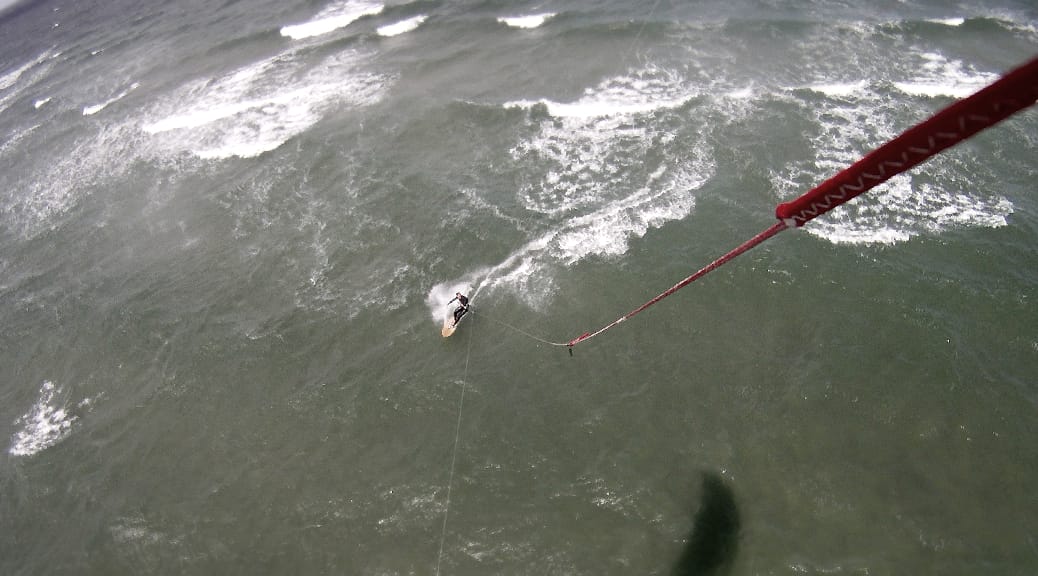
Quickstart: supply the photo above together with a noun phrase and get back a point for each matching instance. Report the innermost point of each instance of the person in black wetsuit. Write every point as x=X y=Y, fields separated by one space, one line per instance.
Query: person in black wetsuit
x=462 y=309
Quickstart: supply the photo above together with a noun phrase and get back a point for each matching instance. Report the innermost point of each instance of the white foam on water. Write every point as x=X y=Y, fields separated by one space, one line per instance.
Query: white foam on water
x=641 y=92
x=13 y=82
x=954 y=22
x=134 y=530
x=259 y=107
x=401 y=27
x=94 y=109
x=1016 y=26
x=522 y=271
x=441 y=294
x=940 y=76
x=406 y=506
x=11 y=77
x=854 y=123
x=107 y=150
x=838 y=90
x=59 y=183
x=594 y=191
x=527 y=22
x=746 y=93
x=592 y=140
x=44 y=425
x=608 y=230
x=13 y=140
x=41 y=102
x=897 y=213
x=140 y=544
x=338 y=15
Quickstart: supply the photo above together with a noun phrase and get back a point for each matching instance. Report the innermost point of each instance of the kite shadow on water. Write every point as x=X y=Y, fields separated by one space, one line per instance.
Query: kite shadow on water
x=714 y=538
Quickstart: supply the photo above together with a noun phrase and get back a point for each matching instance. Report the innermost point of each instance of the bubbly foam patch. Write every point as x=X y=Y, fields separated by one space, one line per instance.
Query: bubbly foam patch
x=594 y=140
x=598 y=179
x=441 y=294
x=938 y=195
x=900 y=211
x=243 y=113
x=57 y=185
x=259 y=107
x=44 y=425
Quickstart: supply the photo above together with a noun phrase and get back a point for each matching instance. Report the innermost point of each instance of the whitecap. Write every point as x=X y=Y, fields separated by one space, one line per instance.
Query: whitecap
x=15 y=81
x=839 y=89
x=44 y=425
x=94 y=109
x=940 y=76
x=954 y=22
x=593 y=140
x=638 y=93
x=332 y=18
x=531 y=21
x=259 y=107
x=401 y=27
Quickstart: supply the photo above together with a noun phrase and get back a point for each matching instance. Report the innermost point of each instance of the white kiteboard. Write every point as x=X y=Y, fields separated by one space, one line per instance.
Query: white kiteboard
x=448 y=321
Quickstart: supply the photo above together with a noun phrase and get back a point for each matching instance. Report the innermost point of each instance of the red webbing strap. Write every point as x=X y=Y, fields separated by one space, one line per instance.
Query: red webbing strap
x=1013 y=92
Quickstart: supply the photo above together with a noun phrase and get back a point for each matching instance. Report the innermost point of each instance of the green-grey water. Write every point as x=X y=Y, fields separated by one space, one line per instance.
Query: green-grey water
x=228 y=233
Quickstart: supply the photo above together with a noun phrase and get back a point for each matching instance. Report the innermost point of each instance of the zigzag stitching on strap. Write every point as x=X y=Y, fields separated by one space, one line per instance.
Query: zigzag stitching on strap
x=880 y=176
x=828 y=201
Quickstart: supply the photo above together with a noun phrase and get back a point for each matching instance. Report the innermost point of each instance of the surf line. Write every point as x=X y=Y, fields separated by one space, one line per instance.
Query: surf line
x=1013 y=92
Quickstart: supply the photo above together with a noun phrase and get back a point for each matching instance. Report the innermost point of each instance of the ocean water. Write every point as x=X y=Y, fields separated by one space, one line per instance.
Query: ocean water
x=228 y=232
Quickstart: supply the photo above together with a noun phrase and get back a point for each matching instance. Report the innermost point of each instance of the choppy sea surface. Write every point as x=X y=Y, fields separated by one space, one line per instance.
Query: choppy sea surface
x=229 y=230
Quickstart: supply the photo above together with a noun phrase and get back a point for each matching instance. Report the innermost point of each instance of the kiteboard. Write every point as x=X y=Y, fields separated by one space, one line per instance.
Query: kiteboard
x=448 y=321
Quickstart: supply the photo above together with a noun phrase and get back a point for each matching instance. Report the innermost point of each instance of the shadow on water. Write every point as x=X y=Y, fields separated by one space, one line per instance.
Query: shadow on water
x=714 y=538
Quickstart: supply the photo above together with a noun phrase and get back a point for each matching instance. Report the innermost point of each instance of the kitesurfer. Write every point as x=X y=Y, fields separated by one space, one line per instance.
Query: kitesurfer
x=463 y=306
